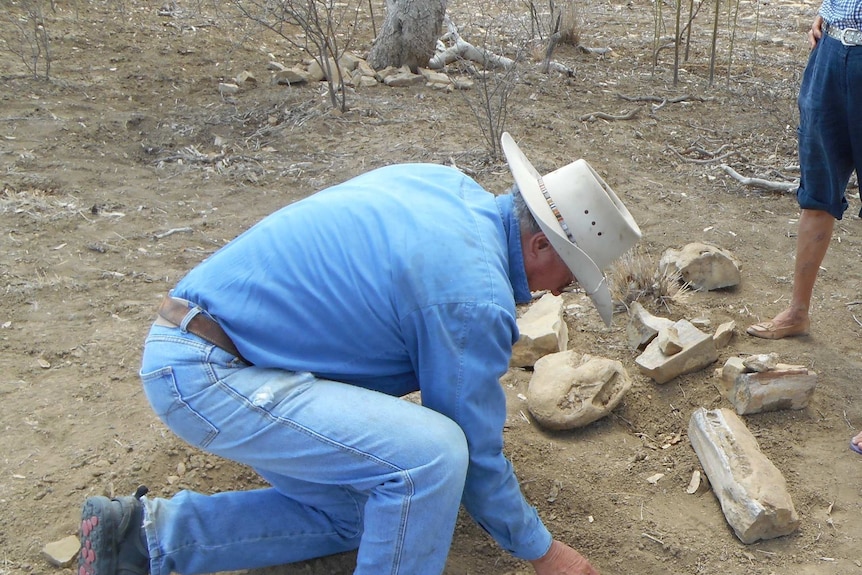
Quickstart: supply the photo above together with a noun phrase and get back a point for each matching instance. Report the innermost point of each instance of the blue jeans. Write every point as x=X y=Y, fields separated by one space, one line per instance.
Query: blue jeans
x=349 y=467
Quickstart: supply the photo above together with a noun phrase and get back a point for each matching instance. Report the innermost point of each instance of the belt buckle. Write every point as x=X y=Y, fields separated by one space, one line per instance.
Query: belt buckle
x=852 y=31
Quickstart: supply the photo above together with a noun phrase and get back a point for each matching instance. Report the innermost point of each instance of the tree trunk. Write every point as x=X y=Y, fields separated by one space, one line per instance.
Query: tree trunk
x=409 y=34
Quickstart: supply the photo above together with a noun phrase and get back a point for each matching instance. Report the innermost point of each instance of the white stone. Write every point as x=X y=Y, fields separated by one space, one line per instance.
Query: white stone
x=226 y=89
x=772 y=390
x=290 y=76
x=63 y=552
x=761 y=362
x=543 y=330
x=403 y=80
x=752 y=491
x=668 y=341
x=643 y=327
x=698 y=351
x=724 y=334
x=703 y=266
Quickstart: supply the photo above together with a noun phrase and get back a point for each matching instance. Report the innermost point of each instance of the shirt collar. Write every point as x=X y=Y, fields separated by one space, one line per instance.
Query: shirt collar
x=517 y=272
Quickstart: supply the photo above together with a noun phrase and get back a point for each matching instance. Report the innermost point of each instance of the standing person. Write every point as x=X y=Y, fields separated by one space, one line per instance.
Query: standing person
x=830 y=148
x=287 y=350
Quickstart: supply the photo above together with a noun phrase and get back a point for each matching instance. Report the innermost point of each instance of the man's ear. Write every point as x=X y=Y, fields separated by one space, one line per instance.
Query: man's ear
x=538 y=244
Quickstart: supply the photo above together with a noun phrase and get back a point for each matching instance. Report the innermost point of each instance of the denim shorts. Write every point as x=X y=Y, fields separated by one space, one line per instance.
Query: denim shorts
x=830 y=125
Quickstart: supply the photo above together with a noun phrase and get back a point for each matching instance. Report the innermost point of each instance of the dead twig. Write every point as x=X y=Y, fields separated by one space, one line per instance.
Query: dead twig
x=701 y=161
x=172 y=232
x=760 y=183
x=651 y=538
x=593 y=116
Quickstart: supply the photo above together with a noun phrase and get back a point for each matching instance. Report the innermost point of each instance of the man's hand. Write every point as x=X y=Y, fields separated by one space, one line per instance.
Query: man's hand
x=562 y=560
x=816 y=32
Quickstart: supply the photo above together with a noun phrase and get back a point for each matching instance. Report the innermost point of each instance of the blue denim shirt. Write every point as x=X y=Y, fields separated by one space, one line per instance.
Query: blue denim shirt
x=842 y=13
x=402 y=279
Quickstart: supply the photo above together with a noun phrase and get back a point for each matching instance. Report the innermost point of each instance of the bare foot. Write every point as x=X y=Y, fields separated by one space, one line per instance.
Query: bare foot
x=856 y=443
x=788 y=323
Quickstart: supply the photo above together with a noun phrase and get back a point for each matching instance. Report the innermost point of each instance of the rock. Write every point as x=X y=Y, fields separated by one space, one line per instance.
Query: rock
x=733 y=367
x=752 y=491
x=643 y=327
x=388 y=71
x=724 y=334
x=568 y=391
x=761 y=362
x=403 y=80
x=317 y=73
x=703 y=266
x=226 y=89
x=63 y=552
x=543 y=330
x=363 y=81
x=290 y=76
x=772 y=390
x=698 y=351
x=365 y=69
x=432 y=77
x=245 y=77
x=349 y=62
x=669 y=342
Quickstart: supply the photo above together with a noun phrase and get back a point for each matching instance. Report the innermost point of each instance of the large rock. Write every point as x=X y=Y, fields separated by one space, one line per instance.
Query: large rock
x=752 y=491
x=643 y=327
x=543 y=331
x=568 y=390
x=702 y=266
x=758 y=384
x=698 y=351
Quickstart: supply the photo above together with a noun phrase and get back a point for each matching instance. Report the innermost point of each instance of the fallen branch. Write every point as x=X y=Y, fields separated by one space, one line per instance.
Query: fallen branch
x=171 y=232
x=760 y=183
x=460 y=49
x=663 y=101
x=593 y=116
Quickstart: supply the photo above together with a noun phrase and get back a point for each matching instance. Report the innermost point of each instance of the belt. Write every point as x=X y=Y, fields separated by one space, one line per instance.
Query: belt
x=175 y=310
x=847 y=36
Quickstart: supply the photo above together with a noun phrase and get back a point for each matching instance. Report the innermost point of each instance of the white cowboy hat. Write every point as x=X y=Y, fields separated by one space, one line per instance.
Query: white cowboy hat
x=582 y=217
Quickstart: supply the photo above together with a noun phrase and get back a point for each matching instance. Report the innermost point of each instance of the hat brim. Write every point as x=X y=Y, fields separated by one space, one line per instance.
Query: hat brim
x=585 y=270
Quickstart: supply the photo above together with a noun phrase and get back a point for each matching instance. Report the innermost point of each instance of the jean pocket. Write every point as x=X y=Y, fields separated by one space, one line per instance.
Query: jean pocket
x=168 y=404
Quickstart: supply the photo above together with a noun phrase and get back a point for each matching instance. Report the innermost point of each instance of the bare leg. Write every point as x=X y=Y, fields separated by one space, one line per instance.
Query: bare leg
x=815 y=233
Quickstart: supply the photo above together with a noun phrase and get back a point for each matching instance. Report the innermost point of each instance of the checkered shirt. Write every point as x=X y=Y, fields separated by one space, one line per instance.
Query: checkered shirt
x=842 y=13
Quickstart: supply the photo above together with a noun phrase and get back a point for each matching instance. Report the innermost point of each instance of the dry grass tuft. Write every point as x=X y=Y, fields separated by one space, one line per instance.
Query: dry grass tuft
x=38 y=203
x=636 y=277
x=569 y=32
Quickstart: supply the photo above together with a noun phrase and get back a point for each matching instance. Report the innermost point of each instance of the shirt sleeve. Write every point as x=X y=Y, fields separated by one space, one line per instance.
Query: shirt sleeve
x=459 y=352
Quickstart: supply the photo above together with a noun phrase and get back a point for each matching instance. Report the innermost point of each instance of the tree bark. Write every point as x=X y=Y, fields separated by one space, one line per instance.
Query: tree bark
x=409 y=34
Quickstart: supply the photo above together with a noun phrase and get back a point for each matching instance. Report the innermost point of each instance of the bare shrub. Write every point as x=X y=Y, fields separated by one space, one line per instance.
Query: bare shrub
x=322 y=29
x=29 y=39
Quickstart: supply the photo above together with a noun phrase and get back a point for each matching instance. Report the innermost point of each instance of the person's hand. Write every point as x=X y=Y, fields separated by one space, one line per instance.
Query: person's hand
x=816 y=32
x=562 y=560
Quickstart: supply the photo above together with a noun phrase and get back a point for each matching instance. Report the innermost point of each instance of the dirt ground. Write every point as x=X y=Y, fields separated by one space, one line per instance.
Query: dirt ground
x=127 y=167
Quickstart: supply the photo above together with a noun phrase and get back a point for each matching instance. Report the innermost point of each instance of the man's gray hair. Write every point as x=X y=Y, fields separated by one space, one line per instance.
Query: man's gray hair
x=526 y=222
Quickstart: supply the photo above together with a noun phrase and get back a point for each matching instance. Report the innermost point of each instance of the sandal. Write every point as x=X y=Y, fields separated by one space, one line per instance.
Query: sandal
x=768 y=330
x=111 y=536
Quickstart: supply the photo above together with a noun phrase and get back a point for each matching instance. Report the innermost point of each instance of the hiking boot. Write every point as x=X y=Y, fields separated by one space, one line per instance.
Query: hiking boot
x=112 y=540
